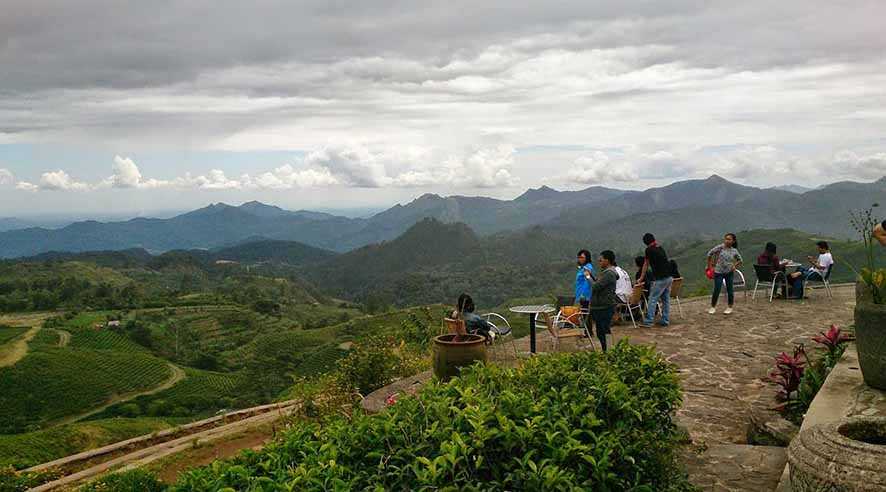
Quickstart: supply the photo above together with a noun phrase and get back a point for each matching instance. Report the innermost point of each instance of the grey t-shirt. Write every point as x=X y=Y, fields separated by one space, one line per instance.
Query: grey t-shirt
x=725 y=258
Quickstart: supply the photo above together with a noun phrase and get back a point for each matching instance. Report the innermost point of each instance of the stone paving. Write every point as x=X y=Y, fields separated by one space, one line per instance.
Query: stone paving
x=723 y=361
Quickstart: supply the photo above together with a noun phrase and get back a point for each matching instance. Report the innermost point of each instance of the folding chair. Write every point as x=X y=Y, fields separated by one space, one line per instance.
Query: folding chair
x=634 y=302
x=676 y=288
x=768 y=277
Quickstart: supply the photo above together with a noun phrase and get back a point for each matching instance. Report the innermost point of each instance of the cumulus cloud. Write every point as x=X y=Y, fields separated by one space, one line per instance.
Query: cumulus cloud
x=126 y=173
x=353 y=164
x=599 y=168
x=6 y=177
x=26 y=186
x=60 y=180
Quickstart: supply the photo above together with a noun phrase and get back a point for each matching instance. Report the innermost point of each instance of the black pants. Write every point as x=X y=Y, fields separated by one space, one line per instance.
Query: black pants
x=603 y=320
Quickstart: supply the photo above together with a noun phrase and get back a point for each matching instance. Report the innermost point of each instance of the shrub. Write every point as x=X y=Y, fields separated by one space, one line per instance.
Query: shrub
x=583 y=421
x=14 y=481
x=129 y=481
x=376 y=362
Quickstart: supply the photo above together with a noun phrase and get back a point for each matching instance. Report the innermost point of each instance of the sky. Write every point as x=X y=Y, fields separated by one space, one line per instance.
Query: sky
x=139 y=107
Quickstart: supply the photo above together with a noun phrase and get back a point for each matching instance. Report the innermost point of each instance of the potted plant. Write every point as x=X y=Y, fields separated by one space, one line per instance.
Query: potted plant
x=457 y=348
x=870 y=306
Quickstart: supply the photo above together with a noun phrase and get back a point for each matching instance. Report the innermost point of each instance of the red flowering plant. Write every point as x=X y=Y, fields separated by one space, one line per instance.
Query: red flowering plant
x=834 y=341
x=789 y=371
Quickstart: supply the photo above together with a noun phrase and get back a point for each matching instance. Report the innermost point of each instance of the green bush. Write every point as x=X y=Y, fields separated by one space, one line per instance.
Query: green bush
x=584 y=421
x=129 y=481
x=376 y=362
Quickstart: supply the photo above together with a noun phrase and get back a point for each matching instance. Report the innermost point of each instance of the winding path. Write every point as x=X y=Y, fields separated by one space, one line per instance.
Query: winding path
x=15 y=350
x=178 y=374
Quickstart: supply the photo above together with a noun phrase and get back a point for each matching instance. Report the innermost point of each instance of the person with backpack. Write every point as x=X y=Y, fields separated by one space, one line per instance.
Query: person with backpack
x=656 y=265
x=724 y=259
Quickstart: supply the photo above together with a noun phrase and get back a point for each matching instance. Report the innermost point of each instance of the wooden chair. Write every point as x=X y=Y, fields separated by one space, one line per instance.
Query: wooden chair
x=634 y=302
x=455 y=326
x=676 y=288
x=559 y=332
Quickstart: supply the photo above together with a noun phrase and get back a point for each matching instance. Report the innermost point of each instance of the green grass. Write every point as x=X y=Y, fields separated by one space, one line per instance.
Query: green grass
x=10 y=333
x=32 y=448
x=45 y=338
x=51 y=384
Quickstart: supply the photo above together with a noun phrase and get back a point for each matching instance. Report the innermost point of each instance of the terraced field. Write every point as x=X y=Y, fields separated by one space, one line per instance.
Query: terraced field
x=53 y=383
x=10 y=333
x=199 y=393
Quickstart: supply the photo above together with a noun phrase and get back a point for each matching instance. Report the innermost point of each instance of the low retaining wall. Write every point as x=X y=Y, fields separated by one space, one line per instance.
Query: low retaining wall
x=842 y=395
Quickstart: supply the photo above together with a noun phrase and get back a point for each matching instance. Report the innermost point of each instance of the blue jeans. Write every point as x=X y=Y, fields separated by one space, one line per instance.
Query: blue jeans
x=719 y=280
x=798 y=283
x=659 y=292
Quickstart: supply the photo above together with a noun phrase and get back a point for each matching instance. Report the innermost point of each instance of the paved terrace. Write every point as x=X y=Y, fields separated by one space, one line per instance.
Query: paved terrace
x=723 y=360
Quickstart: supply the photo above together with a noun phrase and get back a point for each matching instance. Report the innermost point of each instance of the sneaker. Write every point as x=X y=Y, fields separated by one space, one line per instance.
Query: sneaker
x=713 y=310
x=728 y=311
x=664 y=325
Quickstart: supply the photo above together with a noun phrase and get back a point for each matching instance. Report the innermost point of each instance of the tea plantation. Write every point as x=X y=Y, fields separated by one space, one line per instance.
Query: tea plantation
x=607 y=426
x=10 y=333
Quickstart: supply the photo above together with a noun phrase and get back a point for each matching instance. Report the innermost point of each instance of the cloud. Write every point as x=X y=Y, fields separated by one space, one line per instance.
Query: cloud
x=848 y=163
x=60 y=180
x=599 y=168
x=353 y=164
x=6 y=177
x=25 y=186
x=287 y=177
x=126 y=173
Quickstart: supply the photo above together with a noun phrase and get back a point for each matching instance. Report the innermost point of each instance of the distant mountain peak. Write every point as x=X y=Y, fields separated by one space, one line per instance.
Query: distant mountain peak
x=717 y=179
x=538 y=193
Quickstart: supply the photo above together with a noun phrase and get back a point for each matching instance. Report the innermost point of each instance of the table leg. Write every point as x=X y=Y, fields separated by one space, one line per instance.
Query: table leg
x=531 y=333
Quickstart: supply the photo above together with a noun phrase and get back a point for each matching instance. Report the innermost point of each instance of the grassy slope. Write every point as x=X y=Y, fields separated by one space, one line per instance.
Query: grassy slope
x=10 y=333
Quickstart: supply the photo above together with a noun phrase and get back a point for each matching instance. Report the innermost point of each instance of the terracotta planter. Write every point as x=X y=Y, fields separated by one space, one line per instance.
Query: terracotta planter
x=842 y=456
x=451 y=354
x=870 y=334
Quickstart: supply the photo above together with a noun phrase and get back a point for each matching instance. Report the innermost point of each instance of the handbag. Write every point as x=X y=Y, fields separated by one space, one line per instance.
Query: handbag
x=709 y=272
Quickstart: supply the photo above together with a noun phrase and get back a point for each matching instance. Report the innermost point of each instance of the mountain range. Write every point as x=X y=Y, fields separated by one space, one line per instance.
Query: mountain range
x=689 y=208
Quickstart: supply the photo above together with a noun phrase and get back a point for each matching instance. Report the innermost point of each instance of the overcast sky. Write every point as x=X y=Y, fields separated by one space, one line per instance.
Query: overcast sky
x=145 y=106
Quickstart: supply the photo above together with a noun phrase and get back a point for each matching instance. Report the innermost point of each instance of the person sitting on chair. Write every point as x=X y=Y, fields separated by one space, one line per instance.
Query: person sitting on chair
x=817 y=269
x=770 y=259
x=474 y=323
x=624 y=287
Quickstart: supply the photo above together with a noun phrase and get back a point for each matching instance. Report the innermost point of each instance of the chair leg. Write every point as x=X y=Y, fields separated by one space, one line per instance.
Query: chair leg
x=754 y=296
x=633 y=320
x=771 y=292
x=827 y=286
x=679 y=306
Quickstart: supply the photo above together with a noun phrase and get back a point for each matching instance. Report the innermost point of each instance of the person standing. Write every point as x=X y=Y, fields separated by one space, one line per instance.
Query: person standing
x=584 y=278
x=658 y=267
x=604 y=298
x=724 y=259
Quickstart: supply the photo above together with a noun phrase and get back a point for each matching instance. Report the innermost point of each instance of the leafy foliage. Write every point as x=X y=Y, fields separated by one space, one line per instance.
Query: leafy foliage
x=376 y=362
x=608 y=426
x=788 y=371
x=875 y=278
x=128 y=481
x=13 y=481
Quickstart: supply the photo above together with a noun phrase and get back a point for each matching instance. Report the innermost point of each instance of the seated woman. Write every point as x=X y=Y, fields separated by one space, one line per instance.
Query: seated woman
x=769 y=258
x=474 y=324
